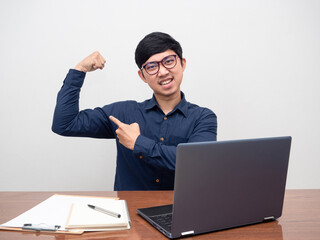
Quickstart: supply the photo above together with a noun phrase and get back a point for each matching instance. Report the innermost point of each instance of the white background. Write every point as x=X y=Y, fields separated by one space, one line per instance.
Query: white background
x=256 y=64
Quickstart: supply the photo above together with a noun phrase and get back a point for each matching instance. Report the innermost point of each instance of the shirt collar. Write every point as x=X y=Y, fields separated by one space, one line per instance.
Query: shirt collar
x=182 y=105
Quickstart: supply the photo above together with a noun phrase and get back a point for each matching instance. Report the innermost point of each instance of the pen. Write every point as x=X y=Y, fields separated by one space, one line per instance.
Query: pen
x=117 y=215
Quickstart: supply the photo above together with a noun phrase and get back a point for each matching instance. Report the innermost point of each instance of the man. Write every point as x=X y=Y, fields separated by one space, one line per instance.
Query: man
x=146 y=133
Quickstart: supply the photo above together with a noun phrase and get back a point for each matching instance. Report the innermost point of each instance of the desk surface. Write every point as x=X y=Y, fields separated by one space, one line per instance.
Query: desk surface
x=300 y=218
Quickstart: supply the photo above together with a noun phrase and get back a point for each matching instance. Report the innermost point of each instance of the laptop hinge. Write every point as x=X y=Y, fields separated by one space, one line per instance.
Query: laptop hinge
x=269 y=218
x=187 y=233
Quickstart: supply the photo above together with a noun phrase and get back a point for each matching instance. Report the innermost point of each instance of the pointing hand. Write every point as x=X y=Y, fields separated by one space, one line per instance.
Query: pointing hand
x=127 y=134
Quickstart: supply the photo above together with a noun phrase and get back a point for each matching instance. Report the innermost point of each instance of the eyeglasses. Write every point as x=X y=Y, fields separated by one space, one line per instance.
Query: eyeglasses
x=168 y=62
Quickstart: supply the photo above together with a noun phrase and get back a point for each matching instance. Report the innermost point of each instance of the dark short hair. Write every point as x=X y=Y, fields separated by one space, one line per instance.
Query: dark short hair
x=153 y=43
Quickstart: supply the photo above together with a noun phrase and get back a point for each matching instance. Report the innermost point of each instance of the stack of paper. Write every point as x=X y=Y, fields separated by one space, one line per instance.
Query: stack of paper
x=84 y=218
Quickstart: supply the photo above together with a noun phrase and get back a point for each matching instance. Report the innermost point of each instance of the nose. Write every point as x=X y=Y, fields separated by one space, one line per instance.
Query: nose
x=162 y=70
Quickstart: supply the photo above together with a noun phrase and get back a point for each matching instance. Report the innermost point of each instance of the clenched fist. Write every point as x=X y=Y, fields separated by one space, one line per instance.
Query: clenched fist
x=91 y=63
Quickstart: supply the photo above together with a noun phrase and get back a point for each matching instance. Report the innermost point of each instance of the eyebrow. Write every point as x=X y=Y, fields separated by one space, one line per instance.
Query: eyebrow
x=159 y=61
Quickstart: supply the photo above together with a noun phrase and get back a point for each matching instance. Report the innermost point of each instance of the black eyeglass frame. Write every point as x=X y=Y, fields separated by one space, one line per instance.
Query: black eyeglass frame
x=158 y=63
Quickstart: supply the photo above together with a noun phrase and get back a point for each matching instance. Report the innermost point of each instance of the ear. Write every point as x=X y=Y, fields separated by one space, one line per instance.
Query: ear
x=184 y=62
x=140 y=73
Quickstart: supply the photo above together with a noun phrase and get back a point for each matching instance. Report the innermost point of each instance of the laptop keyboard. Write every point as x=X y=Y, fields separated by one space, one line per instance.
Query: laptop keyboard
x=164 y=220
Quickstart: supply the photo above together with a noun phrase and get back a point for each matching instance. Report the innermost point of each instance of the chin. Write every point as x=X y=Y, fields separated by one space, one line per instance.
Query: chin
x=170 y=93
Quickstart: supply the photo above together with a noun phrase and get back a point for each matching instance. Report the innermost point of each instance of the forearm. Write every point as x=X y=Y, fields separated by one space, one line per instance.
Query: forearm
x=154 y=153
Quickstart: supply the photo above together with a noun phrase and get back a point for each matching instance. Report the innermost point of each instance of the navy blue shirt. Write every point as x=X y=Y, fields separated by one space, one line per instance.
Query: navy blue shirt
x=151 y=165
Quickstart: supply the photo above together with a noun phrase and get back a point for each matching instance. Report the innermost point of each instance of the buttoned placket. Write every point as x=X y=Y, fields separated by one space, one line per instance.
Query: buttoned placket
x=163 y=129
x=162 y=139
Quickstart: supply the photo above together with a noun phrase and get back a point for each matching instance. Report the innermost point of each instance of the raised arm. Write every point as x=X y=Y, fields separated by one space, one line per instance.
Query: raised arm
x=67 y=119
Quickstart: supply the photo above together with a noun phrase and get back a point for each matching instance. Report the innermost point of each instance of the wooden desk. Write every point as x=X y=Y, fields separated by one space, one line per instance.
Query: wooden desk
x=300 y=218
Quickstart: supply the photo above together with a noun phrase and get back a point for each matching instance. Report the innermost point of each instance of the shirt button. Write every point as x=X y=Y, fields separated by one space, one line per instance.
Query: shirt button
x=161 y=139
x=140 y=157
x=165 y=118
x=157 y=180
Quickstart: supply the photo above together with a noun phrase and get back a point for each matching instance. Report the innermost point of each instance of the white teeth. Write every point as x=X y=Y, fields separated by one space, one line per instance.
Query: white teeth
x=165 y=82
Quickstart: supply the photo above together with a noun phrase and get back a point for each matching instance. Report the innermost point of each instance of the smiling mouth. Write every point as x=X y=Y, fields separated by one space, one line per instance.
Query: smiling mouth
x=165 y=82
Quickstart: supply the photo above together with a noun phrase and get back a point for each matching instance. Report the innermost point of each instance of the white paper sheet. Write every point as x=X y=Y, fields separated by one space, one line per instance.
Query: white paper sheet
x=53 y=211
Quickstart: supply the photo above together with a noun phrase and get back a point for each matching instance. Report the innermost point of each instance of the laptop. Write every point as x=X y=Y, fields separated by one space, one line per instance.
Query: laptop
x=222 y=185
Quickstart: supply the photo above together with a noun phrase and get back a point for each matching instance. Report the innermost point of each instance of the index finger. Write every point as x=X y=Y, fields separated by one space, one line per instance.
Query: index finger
x=115 y=120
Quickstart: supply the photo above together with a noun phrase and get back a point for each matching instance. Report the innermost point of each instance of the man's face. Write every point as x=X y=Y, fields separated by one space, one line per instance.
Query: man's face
x=166 y=83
